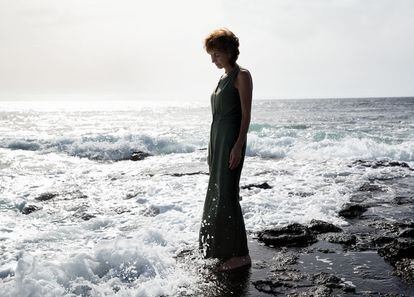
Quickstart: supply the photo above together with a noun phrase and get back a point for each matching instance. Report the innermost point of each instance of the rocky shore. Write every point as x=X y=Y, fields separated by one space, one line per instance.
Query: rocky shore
x=372 y=256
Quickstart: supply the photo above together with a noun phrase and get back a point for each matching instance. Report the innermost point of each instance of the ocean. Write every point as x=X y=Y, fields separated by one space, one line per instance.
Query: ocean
x=79 y=218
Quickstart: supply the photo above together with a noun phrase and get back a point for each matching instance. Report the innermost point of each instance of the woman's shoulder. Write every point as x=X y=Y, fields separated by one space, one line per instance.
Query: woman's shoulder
x=243 y=76
x=243 y=70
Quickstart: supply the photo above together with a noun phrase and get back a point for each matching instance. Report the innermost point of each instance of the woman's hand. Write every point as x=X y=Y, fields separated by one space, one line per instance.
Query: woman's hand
x=235 y=156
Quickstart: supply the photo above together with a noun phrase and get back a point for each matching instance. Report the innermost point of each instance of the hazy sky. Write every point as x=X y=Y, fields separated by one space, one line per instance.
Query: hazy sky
x=147 y=49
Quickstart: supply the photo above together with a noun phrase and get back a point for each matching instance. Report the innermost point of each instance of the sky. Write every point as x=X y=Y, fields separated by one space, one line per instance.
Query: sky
x=132 y=49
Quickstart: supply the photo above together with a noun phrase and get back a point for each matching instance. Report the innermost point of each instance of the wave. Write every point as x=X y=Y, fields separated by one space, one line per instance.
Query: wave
x=347 y=147
x=101 y=146
x=311 y=146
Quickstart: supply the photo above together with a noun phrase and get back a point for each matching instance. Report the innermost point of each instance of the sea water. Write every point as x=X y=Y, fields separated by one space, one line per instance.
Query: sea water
x=115 y=225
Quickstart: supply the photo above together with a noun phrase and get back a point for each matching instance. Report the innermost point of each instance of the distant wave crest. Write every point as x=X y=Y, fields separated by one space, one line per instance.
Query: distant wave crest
x=100 y=146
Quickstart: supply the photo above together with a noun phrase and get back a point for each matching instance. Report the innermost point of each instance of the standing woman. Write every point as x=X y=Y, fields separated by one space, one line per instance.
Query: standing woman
x=222 y=233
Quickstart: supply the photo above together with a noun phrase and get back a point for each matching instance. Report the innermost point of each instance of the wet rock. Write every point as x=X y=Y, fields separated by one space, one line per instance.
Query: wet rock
x=400 y=254
x=331 y=281
x=382 y=163
x=320 y=291
x=381 y=240
x=398 y=249
x=264 y=185
x=281 y=260
x=139 y=155
x=405 y=224
x=271 y=286
x=291 y=235
x=46 y=196
x=403 y=200
x=27 y=209
x=301 y=194
x=319 y=226
x=188 y=173
x=404 y=268
x=150 y=211
x=407 y=233
x=121 y=209
x=87 y=216
x=326 y=279
x=367 y=187
x=350 y=210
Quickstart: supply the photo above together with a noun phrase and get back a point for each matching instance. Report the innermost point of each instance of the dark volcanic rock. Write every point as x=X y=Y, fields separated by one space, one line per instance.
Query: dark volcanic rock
x=188 y=173
x=319 y=226
x=400 y=253
x=327 y=279
x=403 y=200
x=367 y=187
x=29 y=209
x=381 y=240
x=382 y=163
x=46 y=196
x=271 y=286
x=87 y=216
x=407 y=233
x=350 y=210
x=264 y=185
x=291 y=235
x=405 y=269
x=398 y=249
x=139 y=155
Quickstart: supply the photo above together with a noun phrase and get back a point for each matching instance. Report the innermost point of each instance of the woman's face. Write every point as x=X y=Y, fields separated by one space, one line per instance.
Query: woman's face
x=219 y=58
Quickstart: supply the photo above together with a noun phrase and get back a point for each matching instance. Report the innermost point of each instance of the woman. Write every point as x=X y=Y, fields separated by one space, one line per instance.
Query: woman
x=222 y=233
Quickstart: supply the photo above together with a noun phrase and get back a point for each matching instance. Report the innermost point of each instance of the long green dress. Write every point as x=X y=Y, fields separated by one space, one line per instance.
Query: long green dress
x=222 y=233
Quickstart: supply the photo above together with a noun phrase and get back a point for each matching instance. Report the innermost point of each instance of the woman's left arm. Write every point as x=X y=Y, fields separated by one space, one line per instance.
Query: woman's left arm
x=245 y=87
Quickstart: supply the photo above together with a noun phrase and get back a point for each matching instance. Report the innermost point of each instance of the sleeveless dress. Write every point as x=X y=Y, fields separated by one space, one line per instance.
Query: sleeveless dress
x=222 y=233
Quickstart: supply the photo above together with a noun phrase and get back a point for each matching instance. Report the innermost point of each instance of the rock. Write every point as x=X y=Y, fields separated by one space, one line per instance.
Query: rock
x=398 y=249
x=27 y=209
x=403 y=200
x=407 y=233
x=327 y=279
x=150 y=211
x=367 y=187
x=87 y=216
x=301 y=194
x=382 y=163
x=264 y=185
x=291 y=235
x=405 y=269
x=188 y=173
x=270 y=286
x=46 y=196
x=319 y=226
x=139 y=155
x=343 y=238
x=381 y=240
x=320 y=291
x=350 y=210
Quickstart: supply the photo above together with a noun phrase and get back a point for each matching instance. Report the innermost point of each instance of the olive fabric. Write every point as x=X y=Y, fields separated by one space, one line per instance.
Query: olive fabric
x=222 y=233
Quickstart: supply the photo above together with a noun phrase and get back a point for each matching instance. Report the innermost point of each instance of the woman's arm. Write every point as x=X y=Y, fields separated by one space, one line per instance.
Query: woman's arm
x=244 y=85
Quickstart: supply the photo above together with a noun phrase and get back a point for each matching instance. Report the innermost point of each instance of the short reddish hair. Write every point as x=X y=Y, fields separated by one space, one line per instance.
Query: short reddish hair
x=223 y=40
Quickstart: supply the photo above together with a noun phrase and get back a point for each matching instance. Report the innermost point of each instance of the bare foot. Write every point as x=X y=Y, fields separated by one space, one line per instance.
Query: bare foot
x=235 y=262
